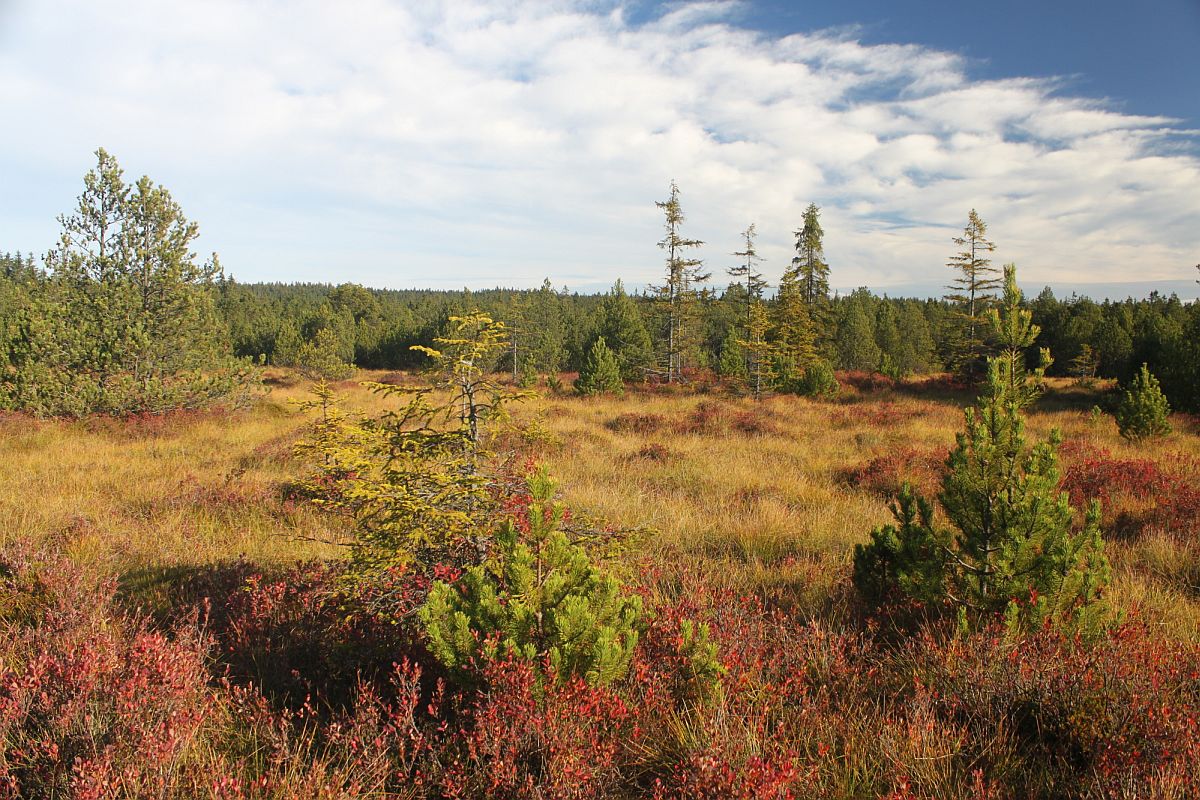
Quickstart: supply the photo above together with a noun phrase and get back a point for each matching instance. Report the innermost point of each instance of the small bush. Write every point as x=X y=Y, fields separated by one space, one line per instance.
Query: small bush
x=1144 y=409
x=817 y=380
x=536 y=598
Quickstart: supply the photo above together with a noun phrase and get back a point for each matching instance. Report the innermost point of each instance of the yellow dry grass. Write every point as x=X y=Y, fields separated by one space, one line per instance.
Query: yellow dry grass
x=751 y=495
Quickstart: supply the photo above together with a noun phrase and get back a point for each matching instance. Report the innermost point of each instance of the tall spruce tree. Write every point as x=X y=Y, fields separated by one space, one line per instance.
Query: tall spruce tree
x=677 y=297
x=972 y=292
x=809 y=261
x=748 y=275
x=812 y=272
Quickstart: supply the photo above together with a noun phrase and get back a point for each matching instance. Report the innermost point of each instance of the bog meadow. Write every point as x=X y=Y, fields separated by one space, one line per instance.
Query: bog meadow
x=711 y=539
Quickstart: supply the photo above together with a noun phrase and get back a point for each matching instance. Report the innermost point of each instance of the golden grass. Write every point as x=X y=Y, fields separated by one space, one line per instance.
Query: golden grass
x=771 y=512
x=750 y=495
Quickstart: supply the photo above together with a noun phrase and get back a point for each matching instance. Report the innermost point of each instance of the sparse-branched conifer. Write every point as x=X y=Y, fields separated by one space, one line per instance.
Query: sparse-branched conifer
x=410 y=479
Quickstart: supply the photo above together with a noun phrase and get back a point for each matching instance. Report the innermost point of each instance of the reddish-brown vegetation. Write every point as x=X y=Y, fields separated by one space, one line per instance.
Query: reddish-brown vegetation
x=1136 y=494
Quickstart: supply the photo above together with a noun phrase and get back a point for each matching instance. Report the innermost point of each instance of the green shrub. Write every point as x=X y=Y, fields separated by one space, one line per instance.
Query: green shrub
x=537 y=597
x=1143 y=410
x=817 y=380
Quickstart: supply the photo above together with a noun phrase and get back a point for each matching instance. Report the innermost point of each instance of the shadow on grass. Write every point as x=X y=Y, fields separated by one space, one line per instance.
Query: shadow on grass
x=296 y=633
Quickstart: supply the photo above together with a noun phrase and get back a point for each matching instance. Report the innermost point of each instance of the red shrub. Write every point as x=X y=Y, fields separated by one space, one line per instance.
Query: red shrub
x=1119 y=717
x=866 y=381
x=522 y=738
x=655 y=452
x=298 y=634
x=886 y=474
x=637 y=423
x=1135 y=494
x=92 y=704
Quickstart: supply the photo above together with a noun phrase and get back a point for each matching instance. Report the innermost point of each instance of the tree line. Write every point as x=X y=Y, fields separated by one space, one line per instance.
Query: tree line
x=121 y=316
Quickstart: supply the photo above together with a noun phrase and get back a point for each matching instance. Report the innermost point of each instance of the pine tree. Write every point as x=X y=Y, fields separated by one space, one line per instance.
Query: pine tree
x=1143 y=411
x=677 y=298
x=288 y=341
x=916 y=351
x=320 y=359
x=620 y=323
x=537 y=597
x=600 y=373
x=1012 y=547
x=973 y=293
x=126 y=319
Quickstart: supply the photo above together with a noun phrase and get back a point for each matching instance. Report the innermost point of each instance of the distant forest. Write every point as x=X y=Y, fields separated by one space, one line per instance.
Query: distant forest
x=121 y=317
x=555 y=328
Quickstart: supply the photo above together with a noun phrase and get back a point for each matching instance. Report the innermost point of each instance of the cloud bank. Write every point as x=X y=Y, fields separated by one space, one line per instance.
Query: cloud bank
x=483 y=143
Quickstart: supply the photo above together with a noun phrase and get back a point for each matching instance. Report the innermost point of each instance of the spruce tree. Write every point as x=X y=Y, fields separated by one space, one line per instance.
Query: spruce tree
x=761 y=373
x=855 y=339
x=677 y=298
x=972 y=292
x=751 y=279
x=1012 y=546
x=600 y=372
x=811 y=271
x=794 y=335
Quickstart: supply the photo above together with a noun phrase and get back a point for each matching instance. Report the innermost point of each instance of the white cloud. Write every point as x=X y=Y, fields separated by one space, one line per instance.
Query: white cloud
x=478 y=143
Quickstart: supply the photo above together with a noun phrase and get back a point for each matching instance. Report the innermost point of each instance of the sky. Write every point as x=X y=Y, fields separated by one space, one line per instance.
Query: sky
x=477 y=143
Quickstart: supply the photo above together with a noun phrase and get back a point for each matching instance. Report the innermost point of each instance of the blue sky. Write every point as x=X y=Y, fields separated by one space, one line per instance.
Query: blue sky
x=486 y=143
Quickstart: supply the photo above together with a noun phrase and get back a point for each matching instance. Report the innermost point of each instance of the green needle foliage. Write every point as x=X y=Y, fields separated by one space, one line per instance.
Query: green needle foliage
x=410 y=479
x=1144 y=409
x=537 y=596
x=601 y=372
x=319 y=359
x=124 y=320
x=1012 y=546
